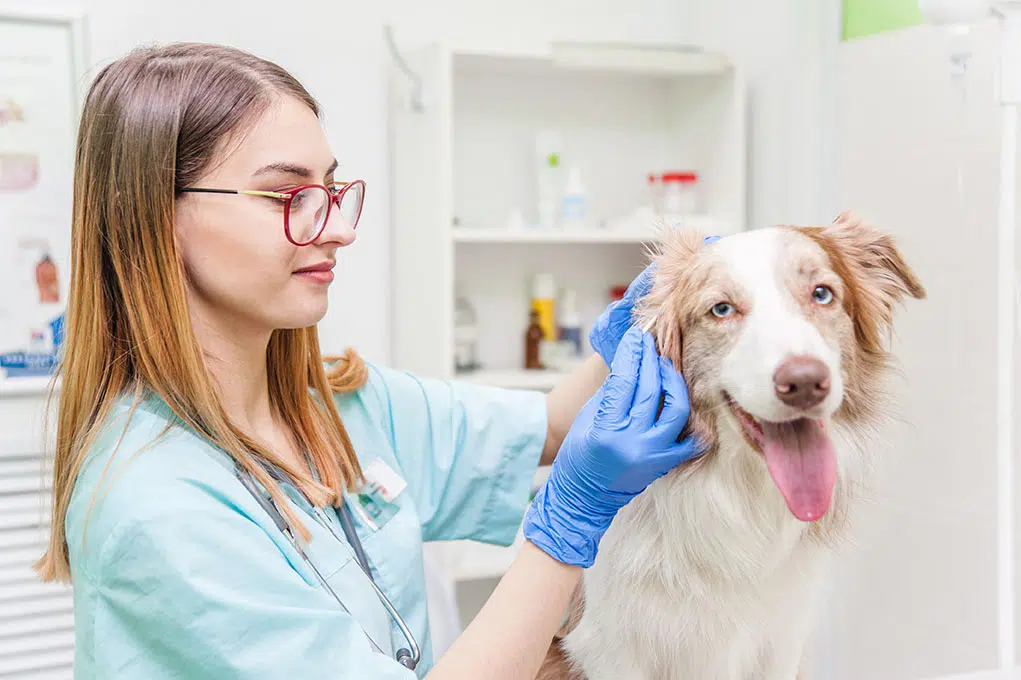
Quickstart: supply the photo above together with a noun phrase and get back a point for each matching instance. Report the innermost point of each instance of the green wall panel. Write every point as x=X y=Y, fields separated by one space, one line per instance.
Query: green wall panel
x=868 y=17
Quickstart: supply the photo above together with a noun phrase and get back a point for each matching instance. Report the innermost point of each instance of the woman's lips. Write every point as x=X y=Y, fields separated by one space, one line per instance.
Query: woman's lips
x=317 y=273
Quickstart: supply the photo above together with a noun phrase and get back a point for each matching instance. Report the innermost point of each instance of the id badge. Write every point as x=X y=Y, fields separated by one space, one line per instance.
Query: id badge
x=375 y=500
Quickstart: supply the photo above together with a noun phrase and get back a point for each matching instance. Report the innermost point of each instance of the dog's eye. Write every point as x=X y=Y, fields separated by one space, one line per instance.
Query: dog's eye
x=722 y=309
x=823 y=295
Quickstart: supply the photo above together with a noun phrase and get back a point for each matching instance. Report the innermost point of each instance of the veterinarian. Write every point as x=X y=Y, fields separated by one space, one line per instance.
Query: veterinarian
x=227 y=504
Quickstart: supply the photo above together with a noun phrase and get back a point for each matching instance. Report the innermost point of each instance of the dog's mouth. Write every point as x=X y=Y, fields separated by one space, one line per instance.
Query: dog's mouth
x=800 y=456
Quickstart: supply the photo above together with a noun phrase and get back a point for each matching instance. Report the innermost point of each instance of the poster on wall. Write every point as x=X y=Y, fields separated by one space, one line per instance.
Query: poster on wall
x=39 y=78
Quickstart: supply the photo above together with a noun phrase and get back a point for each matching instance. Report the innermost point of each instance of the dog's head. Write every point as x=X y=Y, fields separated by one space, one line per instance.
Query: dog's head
x=781 y=334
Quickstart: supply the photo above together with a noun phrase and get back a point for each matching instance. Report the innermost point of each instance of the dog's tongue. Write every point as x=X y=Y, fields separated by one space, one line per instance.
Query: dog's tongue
x=803 y=465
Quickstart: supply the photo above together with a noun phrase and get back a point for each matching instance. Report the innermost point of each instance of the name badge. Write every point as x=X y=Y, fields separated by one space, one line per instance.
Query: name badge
x=388 y=482
x=376 y=498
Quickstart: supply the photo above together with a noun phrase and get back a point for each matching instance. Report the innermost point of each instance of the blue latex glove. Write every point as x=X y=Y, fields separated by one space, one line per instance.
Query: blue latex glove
x=611 y=325
x=617 y=446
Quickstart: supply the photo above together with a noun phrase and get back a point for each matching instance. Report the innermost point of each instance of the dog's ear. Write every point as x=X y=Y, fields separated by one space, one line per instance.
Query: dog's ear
x=879 y=262
x=874 y=270
x=659 y=309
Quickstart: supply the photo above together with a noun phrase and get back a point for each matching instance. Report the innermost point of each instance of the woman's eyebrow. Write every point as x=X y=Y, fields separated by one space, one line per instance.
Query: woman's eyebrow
x=284 y=167
x=291 y=169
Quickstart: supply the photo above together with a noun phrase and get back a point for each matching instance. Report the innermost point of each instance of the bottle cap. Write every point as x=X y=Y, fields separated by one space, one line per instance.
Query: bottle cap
x=544 y=287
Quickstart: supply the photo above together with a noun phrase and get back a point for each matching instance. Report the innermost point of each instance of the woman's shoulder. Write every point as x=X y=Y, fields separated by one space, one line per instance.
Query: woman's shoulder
x=143 y=465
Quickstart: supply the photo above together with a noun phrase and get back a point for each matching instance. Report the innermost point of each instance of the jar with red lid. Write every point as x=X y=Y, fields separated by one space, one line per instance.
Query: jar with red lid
x=675 y=193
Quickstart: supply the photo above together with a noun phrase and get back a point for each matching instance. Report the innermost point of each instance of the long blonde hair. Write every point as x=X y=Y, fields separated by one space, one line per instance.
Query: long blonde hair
x=150 y=126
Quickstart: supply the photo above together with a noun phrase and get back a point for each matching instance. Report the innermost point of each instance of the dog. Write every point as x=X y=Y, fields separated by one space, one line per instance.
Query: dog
x=715 y=571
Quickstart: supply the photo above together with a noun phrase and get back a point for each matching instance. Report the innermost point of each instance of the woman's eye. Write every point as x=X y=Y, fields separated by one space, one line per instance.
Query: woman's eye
x=822 y=295
x=722 y=309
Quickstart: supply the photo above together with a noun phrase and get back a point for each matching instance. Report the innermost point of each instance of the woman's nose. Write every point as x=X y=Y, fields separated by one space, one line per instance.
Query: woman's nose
x=338 y=230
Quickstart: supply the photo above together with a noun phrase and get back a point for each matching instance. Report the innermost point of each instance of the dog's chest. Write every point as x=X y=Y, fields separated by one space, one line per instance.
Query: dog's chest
x=701 y=575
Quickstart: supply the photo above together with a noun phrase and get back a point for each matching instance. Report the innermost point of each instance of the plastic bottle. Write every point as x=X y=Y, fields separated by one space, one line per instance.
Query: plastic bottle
x=676 y=194
x=570 y=321
x=543 y=294
x=548 y=178
x=533 y=342
x=466 y=335
x=573 y=204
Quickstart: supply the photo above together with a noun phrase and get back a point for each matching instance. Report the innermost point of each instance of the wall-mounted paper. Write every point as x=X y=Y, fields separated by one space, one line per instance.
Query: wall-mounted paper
x=38 y=108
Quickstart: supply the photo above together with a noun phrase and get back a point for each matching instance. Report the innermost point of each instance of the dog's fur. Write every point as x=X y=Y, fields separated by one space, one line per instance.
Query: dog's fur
x=708 y=575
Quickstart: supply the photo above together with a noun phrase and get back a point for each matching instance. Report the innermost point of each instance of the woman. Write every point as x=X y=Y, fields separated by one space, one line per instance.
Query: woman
x=205 y=450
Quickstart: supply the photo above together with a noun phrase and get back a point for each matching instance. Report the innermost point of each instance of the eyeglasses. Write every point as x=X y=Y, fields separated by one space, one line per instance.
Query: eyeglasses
x=307 y=208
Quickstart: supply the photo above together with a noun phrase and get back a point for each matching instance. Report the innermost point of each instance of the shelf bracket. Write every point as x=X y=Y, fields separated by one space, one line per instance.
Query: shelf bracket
x=415 y=102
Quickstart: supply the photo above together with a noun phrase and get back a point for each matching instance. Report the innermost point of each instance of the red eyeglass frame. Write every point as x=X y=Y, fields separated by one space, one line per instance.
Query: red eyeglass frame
x=288 y=196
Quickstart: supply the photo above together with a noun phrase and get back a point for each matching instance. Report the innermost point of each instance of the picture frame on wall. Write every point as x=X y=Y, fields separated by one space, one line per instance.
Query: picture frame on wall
x=42 y=82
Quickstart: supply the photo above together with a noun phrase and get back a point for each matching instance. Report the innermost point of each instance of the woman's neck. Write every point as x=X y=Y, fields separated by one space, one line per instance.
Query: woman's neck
x=235 y=354
x=236 y=358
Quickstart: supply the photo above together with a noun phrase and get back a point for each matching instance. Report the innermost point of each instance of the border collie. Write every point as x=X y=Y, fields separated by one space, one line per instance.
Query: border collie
x=714 y=572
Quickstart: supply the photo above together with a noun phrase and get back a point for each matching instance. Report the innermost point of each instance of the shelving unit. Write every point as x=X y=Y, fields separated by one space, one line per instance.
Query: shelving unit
x=464 y=193
x=464 y=171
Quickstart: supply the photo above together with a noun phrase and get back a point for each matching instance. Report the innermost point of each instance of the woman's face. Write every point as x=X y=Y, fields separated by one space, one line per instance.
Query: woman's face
x=242 y=271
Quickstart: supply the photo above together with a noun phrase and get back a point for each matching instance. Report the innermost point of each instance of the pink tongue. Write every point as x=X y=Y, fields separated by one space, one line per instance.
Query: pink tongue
x=803 y=465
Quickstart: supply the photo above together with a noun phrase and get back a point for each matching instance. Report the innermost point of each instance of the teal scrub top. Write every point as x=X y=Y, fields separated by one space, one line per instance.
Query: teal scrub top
x=179 y=573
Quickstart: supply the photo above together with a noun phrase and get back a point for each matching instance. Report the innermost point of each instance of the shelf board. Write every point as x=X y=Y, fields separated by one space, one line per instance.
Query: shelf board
x=27 y=387
x=625 y=58
x=635 y=58
x=515 y=379
x=581 y=235
x=568 y=236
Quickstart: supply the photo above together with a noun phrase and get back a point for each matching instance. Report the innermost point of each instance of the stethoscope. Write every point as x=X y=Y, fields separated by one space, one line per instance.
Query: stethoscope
x=407 y=656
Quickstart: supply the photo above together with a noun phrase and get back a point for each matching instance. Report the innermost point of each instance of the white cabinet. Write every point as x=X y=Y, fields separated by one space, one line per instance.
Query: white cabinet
x=464 y=172
x=465 y=183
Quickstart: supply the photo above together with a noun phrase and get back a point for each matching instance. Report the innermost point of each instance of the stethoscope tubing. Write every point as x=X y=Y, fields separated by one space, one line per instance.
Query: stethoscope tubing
x=407 y=658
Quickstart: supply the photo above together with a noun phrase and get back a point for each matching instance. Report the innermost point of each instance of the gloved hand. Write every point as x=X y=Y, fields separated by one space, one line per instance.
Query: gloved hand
x=611 y=325
x=617 y=446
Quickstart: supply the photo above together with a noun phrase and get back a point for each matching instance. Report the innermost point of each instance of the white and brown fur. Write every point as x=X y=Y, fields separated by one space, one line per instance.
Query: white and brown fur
x=707 y=575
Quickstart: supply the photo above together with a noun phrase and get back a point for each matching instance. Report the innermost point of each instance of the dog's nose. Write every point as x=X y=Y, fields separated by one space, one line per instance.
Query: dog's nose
x=802 y=382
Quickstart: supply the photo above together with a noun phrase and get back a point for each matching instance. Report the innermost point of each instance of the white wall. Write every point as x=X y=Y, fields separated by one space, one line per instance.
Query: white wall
x=782 y=45
x=917 y=595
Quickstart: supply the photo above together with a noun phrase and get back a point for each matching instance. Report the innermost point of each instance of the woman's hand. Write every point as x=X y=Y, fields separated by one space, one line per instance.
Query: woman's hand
x=619 y=444
x=617 y=318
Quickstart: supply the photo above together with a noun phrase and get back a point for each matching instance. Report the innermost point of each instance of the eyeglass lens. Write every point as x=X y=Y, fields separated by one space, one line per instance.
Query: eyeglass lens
x=309 y=208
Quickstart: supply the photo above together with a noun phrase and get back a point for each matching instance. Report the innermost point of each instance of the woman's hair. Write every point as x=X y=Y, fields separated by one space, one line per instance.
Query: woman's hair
x=152 y=123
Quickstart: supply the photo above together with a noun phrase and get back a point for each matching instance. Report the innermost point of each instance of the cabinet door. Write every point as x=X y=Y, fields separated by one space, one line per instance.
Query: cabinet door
x=422 y=253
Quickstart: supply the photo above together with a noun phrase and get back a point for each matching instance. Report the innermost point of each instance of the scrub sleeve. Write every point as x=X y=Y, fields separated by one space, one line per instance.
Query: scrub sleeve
x=468 y=452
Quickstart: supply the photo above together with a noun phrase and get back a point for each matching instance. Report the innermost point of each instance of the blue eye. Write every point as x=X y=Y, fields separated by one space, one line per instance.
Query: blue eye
x=822 y=295
x=722 y=309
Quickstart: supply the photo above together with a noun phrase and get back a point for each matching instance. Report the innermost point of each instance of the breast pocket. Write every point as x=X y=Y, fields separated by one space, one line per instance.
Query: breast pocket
x=355 y=590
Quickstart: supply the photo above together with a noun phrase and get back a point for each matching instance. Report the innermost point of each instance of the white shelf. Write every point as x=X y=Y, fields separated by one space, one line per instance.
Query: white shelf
x=633 y=59
x=570 y=236
x=583 y=235
x=629 y=58
x=515 y=379
x=38 y=386
x=622 y=111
